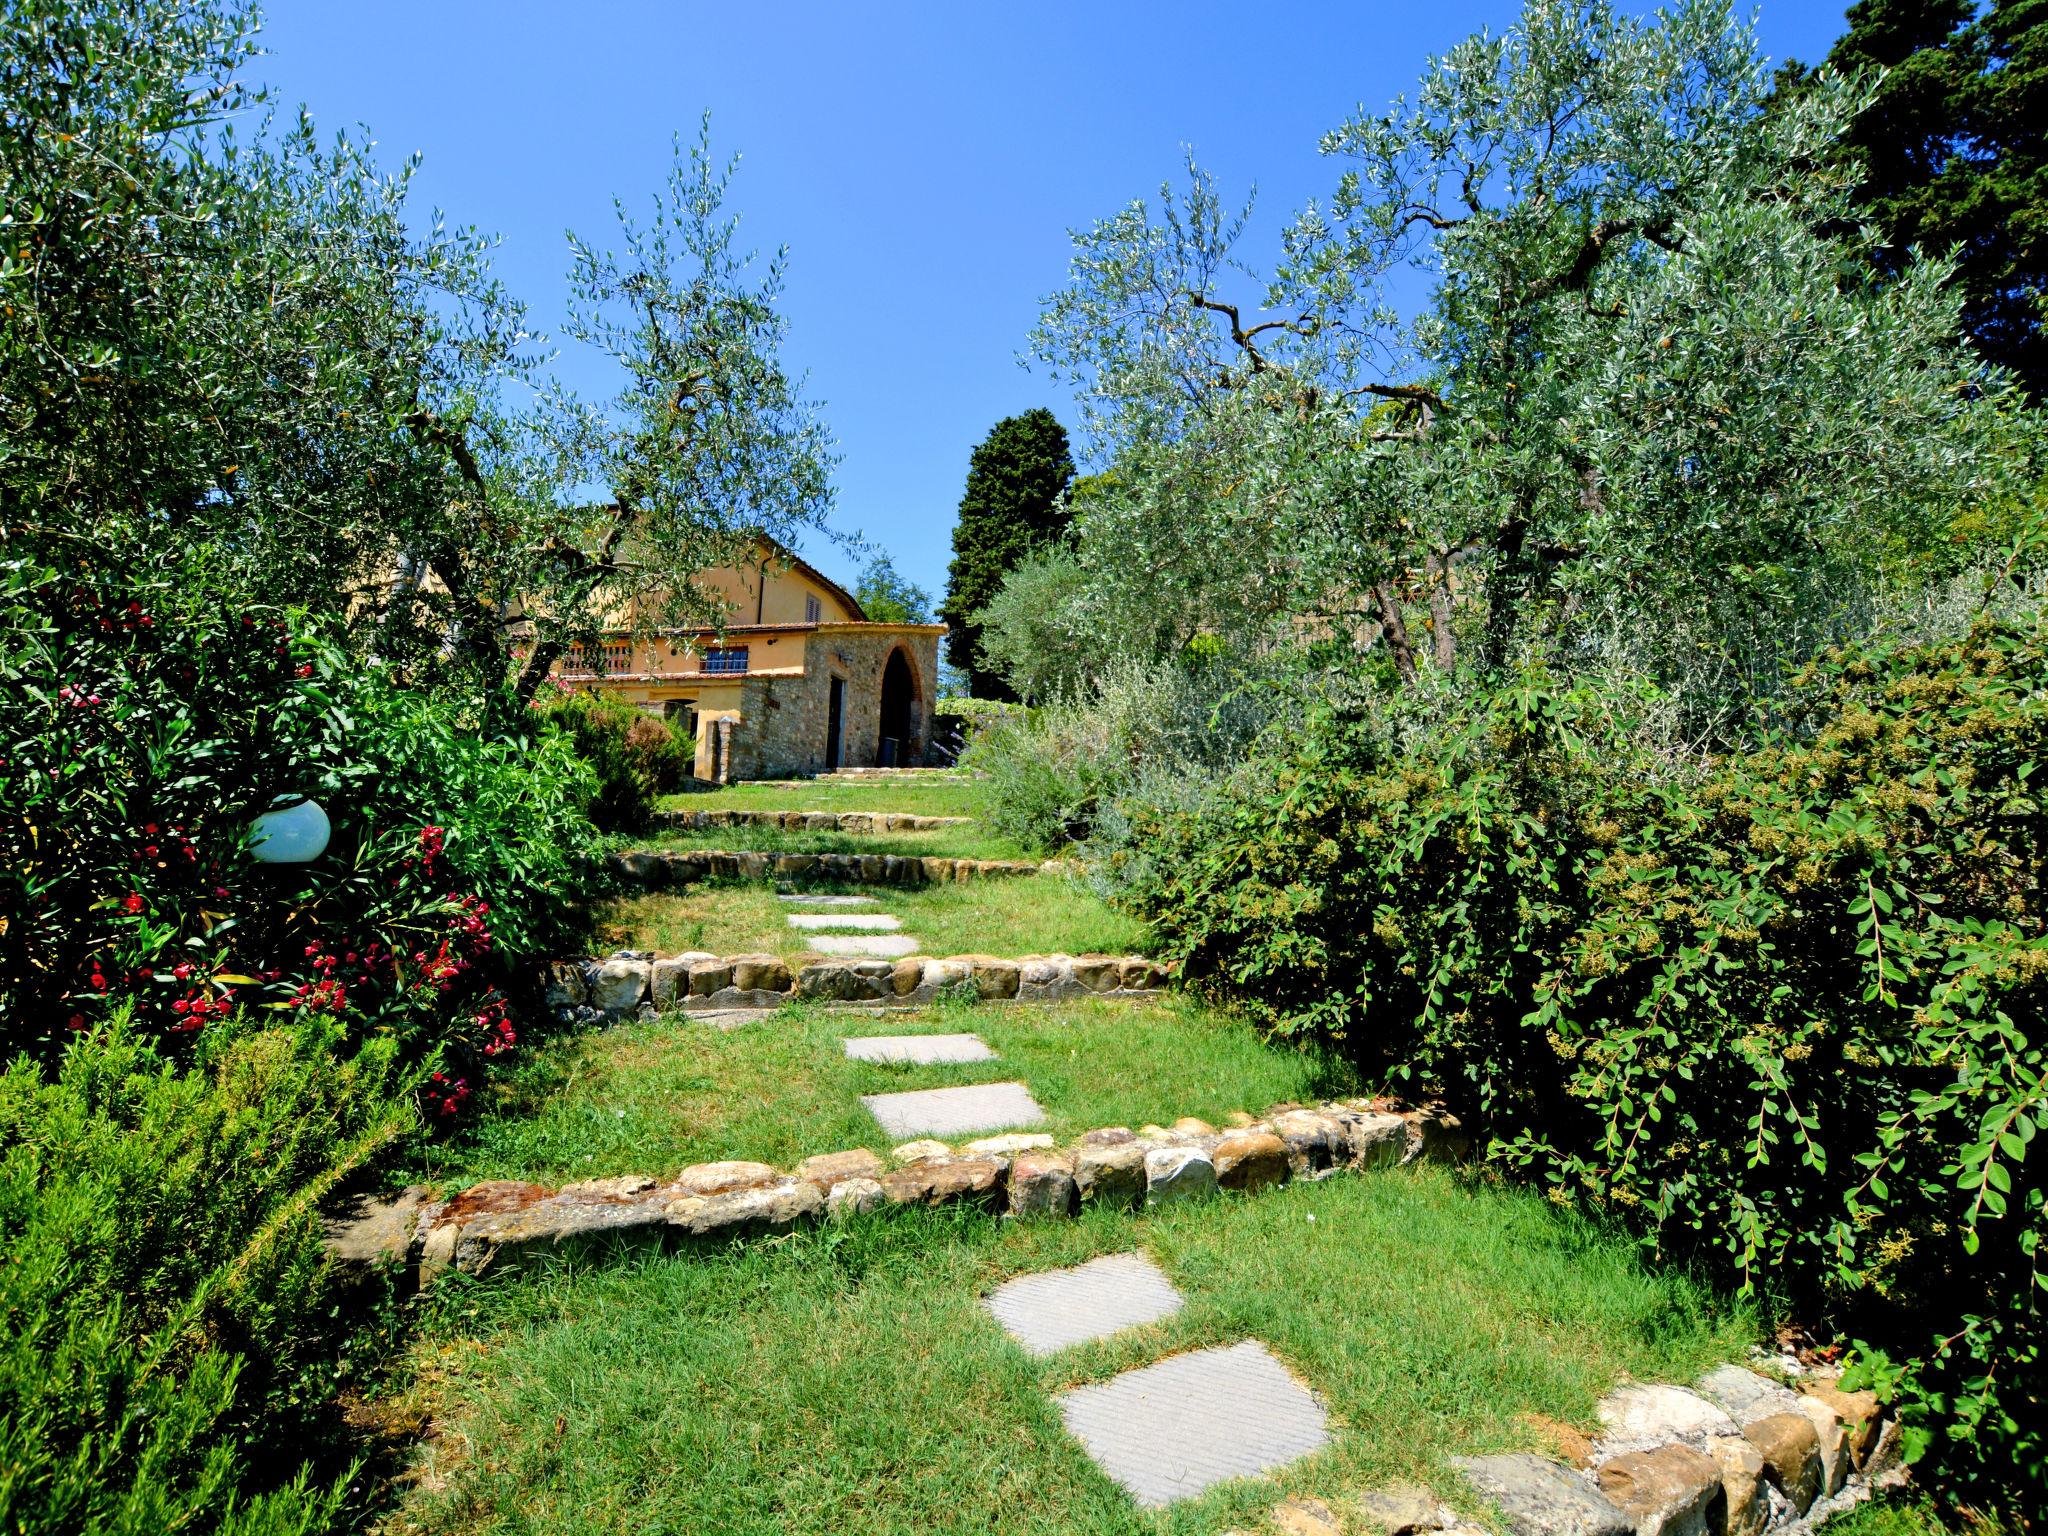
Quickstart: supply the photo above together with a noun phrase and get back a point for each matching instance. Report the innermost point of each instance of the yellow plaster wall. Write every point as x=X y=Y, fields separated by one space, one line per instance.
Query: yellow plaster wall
x=783 y=600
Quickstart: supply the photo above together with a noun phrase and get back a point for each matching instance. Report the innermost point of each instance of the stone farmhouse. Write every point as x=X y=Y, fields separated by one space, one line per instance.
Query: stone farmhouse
x=798 y=682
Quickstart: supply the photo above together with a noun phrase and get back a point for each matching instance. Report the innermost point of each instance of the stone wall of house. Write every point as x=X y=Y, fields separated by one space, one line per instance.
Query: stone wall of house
x=786 y=718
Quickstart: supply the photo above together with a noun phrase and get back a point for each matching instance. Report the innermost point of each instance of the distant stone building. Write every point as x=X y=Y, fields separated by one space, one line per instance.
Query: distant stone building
x=798 y=682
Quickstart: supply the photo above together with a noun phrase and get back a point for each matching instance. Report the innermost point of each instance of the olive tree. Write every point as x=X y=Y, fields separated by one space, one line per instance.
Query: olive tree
x=1651 y=380
x=220 y=330
x=216 y=328
x=708 y=445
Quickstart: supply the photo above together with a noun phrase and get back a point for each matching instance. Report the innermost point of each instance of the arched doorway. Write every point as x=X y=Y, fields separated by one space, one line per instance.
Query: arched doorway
x=899 y=717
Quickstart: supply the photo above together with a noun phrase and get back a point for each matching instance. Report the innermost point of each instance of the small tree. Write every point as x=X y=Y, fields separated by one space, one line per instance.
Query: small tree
x=887 y=596
x=1013 y=505
x=232 y=338
x=707 y=447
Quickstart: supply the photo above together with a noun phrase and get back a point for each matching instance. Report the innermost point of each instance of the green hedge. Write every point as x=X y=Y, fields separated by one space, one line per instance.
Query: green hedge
x=1783 y=1013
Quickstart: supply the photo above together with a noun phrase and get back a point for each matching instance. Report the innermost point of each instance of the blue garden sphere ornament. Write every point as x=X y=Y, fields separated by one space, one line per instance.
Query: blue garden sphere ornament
x=293 y=831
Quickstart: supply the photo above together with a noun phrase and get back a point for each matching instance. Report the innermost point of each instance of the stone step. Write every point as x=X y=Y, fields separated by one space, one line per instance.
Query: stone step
x=917 y=1050
x=620 y=985
x=881 y=946
x=1167 y=1432
x=827 y=901
x=1059 y=1308
x=849 y=823
x=659 y=869
x=954 y=1111
x=816 y=921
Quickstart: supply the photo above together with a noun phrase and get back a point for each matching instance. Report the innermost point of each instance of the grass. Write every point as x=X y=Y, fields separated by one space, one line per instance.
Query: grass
x=1001 y=915
x=848 y=1380
x=947 y=796
x=968 y=842
x=652 y=1098
x=1907 y=1514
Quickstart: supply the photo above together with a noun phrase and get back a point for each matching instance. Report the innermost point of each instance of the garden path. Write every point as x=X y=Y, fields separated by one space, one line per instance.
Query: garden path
x=1171 y=1429
x=876 y=935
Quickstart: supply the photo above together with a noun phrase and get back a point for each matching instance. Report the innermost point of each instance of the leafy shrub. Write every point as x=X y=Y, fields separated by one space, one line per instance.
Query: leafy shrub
x=166 y=1336
x=146 y=719
x=1055 y=771
x=634 y=758
x=1783 y=1012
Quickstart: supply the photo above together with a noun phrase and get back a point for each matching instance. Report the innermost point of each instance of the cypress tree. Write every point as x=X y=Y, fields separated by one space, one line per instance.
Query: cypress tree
x=1011 y=507
x=1954 y=156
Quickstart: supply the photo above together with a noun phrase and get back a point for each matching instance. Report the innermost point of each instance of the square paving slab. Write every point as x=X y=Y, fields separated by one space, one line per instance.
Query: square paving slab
x=887 y=946
x=1168 y=1431
x=954 y=1111
x=827 y=901
x=844 y=920
x=920 y=1050
x=1048 y=1312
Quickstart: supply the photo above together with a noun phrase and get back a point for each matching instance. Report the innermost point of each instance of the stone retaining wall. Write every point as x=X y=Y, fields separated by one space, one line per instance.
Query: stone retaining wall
x=1741 y=1455
x=621 y=985
x=855 y=823
x=505 y=1221
x=655 y=870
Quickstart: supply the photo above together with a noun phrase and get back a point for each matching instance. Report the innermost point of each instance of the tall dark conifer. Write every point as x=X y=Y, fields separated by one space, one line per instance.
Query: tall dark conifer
x=1956 y=157
x=1011 y=507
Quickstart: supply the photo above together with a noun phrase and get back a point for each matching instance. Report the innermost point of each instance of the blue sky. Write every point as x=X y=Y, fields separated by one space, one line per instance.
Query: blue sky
x=923 y=162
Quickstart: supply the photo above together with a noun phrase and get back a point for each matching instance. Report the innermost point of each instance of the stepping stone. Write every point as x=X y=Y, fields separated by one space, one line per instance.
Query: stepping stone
x=829 y=901
x=888 y=946
x=919 y=1050
x=948 y=1112
x=1168 y=1431
x=1048 y=1312
x=844 y=920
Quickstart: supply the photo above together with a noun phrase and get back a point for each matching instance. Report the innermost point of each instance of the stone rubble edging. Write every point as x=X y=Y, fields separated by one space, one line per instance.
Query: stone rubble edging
x=658 y=869
x=1018 y=1173
x=1740 y=1456
x=853 y=823
x=618 y=986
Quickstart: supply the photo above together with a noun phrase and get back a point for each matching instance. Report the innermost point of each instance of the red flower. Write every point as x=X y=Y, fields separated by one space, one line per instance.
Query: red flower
x=132 y=902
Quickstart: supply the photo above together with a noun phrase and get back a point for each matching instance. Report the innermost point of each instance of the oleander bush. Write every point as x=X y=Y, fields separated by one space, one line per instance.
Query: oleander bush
x=147 y=720
x=1781 y=1010
x=168 y=1335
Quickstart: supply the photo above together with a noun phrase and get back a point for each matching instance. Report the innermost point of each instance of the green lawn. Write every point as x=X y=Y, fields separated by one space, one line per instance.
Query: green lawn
x=654 y=1098
x=999 y=915
x=951 y=795
x=848 y=1380
x=965 y=842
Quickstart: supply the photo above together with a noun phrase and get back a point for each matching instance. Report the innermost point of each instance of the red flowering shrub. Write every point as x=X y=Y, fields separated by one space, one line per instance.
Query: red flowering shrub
x=143 y=728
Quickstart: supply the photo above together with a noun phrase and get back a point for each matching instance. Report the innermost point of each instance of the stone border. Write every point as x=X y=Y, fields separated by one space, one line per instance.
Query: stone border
x=854 y=823
x=1741 y=1456
x=503 y=1222
x=659 y=869
x=620 y=985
